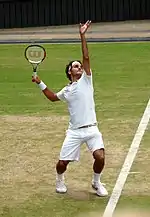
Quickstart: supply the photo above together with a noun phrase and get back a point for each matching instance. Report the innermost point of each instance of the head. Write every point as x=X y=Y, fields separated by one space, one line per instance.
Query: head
x=74 y=70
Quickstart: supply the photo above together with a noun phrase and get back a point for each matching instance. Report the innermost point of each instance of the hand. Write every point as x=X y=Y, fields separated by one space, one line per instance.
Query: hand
x=36 y=79
x=84 y=27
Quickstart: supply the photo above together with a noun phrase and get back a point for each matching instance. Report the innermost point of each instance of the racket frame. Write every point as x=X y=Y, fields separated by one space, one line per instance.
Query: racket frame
x=35 y=63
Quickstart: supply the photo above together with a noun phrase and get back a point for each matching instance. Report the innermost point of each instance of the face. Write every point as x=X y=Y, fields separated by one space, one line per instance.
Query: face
x=76 y=69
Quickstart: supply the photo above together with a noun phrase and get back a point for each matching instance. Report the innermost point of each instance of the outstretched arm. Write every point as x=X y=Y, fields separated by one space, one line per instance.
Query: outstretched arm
x=48 y=93
x=86 y=60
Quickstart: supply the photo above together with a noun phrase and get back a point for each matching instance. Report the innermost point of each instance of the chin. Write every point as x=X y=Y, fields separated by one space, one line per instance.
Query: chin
x=79 y=76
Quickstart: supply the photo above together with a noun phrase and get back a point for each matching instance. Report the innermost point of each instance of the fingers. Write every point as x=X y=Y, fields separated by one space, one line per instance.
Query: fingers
x=88 y=23
x=35 y=79
x=83 y=27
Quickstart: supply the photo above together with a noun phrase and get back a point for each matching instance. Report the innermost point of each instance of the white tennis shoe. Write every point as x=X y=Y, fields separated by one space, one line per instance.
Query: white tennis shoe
x=100 y=189
x=61 y=187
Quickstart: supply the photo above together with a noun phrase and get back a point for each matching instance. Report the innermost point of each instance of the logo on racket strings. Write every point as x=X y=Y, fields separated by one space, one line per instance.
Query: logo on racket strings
x=35 y=54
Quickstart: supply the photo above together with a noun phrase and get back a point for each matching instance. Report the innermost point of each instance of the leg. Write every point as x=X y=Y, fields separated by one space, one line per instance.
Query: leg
x=99 y=157
x=96 y=146
x=61 y=167
x=70 y=151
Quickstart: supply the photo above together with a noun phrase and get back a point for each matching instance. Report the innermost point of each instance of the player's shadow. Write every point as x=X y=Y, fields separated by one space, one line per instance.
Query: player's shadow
x=79 y=194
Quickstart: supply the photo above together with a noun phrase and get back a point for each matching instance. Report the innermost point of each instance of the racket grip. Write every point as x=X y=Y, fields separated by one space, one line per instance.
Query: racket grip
x=34 y=74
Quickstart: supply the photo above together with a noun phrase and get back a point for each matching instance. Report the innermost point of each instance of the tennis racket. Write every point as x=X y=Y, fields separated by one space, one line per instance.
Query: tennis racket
x=35 y=54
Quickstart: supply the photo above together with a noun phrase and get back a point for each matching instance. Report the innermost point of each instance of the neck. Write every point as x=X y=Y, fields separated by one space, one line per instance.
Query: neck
x=75 y=78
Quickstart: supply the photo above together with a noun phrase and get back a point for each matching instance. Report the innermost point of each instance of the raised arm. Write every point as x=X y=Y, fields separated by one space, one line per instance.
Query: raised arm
x=48 y=93
x=86 y=59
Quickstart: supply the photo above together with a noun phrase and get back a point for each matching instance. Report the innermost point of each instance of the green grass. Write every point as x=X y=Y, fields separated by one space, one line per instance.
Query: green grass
x=121 y=81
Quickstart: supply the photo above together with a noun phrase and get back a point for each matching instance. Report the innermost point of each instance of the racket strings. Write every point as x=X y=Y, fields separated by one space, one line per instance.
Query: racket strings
x=35 y=53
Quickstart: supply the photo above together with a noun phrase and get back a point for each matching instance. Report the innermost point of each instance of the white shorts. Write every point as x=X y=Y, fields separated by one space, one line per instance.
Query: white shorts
x=75 y=138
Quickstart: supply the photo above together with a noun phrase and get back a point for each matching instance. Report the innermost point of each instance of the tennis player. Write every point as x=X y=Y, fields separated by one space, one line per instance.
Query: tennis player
x=78 y=95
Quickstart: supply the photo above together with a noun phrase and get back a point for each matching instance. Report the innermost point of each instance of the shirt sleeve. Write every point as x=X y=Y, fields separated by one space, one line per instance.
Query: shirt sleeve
x=61 y=94
x=88 y=78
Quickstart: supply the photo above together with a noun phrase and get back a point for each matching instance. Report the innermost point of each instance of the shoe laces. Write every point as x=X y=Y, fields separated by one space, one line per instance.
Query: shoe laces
x=60 y=183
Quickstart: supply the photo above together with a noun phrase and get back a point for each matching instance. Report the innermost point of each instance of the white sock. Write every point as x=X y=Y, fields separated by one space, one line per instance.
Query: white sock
x=96 y=177
x=60 y=176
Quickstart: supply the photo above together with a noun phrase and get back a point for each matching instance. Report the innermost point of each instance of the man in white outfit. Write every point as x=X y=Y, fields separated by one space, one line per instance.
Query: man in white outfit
x=83 y=123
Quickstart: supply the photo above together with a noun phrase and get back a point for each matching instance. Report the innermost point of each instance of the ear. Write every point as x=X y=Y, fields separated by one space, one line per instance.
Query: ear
x=69 y=70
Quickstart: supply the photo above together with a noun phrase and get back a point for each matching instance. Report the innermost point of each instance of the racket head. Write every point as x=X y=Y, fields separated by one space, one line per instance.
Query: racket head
x=35 y=54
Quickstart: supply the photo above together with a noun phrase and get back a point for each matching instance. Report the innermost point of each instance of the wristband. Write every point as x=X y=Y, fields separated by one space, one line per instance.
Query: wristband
x=42 y=86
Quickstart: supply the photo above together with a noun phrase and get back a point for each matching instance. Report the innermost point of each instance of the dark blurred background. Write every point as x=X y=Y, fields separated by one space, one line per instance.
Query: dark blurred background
x=27 y=13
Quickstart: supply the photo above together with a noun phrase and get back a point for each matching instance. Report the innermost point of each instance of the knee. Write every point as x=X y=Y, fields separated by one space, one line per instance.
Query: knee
x=62 y=164
x=99 y=156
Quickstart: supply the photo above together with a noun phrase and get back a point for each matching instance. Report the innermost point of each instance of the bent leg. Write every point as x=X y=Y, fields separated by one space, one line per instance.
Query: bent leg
x=96 y=146
x=99 y=156
x=61 y=166
x=70 y=151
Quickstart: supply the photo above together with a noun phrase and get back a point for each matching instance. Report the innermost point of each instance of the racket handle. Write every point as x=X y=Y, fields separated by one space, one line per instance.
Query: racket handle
x=34 y=74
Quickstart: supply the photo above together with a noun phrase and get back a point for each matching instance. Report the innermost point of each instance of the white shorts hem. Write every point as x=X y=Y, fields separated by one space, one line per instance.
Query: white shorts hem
x=69 y=159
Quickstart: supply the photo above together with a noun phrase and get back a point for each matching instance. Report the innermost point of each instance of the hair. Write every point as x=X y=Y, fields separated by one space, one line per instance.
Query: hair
x=68 y=66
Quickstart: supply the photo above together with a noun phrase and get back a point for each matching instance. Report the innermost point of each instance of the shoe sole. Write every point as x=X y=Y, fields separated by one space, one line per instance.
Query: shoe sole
x=102 y=195
x=60 y=192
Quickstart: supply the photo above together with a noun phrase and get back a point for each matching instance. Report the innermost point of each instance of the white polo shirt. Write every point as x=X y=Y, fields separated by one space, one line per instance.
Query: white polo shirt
x=80 y=100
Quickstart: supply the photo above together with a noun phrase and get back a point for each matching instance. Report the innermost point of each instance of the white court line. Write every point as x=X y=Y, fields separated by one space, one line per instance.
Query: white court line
x=109 y=210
